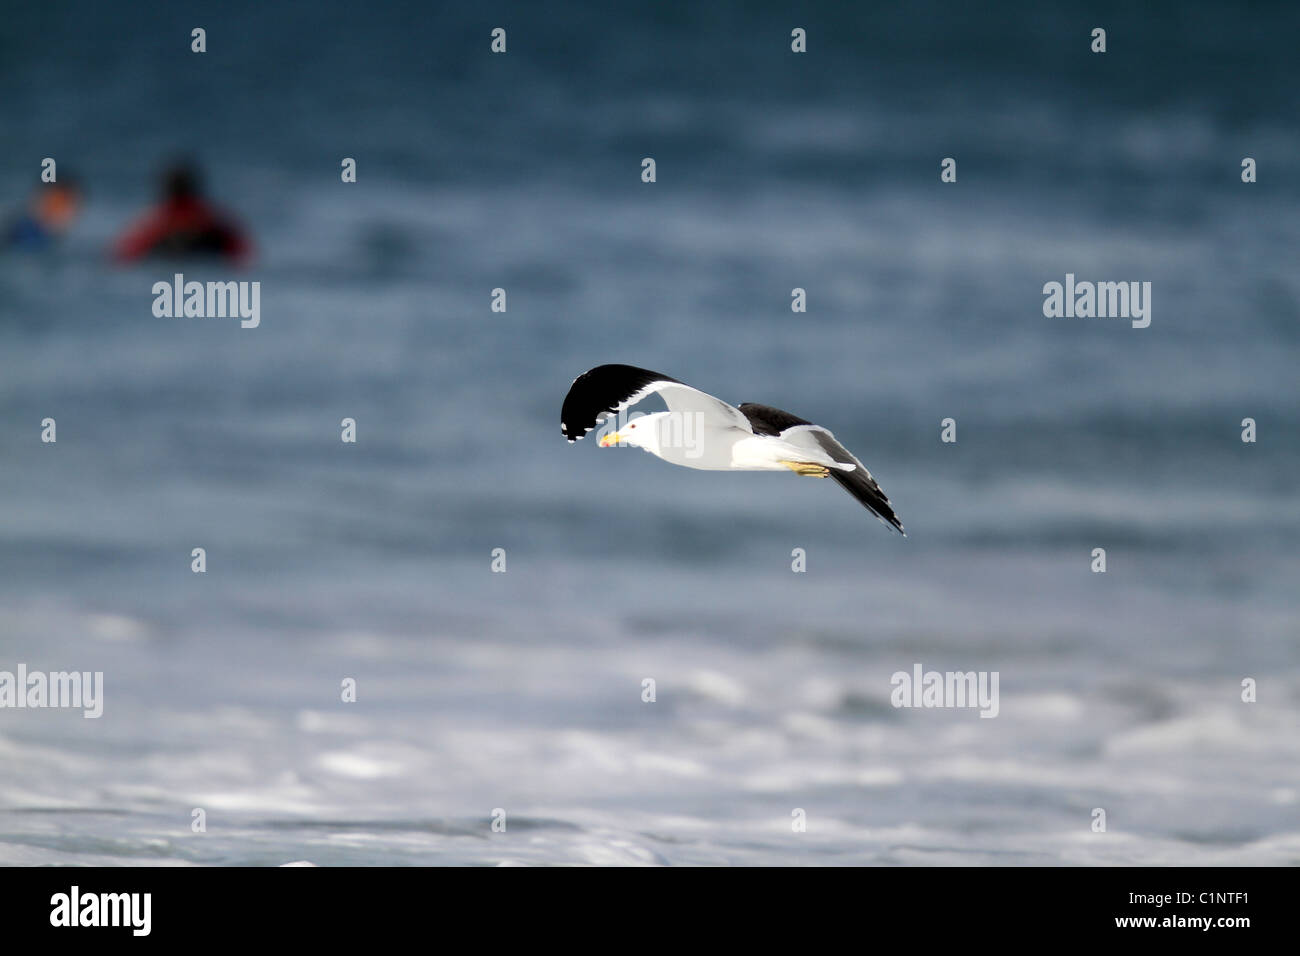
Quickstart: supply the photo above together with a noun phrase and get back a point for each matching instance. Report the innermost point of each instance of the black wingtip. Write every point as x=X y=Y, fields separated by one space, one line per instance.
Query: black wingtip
x=870 y=495
x=600 y=391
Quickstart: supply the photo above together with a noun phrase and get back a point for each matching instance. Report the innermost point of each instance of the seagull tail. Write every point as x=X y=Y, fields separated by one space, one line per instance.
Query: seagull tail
x=863 y=487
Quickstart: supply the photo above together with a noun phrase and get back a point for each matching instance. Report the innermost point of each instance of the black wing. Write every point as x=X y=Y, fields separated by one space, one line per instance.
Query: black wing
x=608 y=389
x=604 y=390
x=766 y=420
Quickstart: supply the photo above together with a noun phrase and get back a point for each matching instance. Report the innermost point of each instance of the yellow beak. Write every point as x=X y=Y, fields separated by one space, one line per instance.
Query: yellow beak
x=610 y=439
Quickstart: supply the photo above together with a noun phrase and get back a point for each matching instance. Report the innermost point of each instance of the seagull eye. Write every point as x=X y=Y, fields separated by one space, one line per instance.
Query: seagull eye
x=631 y=426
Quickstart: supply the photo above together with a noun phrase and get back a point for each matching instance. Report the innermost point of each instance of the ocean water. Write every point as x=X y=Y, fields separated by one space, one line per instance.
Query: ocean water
x=523 y=691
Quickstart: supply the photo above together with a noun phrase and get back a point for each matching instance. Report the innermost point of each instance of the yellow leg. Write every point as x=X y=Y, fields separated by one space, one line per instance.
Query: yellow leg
x=807 y=468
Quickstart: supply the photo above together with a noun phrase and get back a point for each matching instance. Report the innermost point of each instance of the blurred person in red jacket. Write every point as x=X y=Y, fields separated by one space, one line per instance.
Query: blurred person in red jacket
x=183 y=224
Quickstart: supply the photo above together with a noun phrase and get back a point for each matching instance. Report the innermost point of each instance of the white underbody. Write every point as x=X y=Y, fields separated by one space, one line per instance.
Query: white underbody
x=731 y=448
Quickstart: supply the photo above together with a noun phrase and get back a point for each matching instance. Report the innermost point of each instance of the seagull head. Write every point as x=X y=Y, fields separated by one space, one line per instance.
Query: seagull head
x=641 y=432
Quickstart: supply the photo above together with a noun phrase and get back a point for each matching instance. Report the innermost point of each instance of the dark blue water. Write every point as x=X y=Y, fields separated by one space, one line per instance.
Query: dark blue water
x=522 y=690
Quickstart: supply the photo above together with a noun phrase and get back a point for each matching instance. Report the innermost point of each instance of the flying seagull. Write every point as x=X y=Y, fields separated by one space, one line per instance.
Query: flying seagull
x=700 y=431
